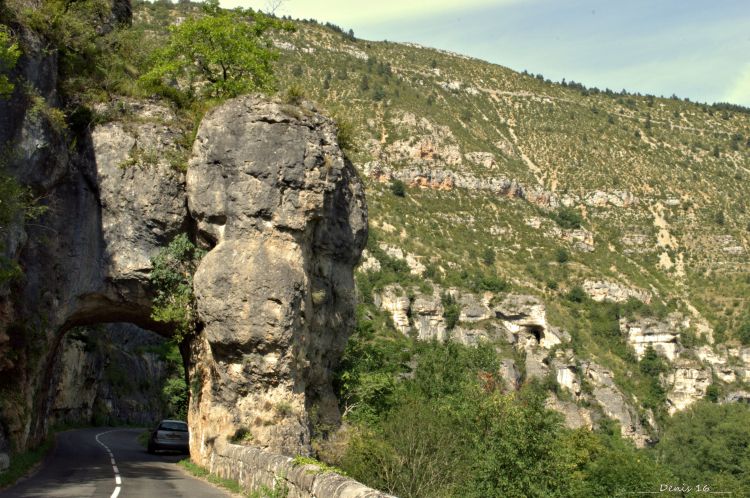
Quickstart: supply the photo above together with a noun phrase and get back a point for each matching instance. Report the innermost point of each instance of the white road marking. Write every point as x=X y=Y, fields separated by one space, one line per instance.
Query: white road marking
x=118 y=479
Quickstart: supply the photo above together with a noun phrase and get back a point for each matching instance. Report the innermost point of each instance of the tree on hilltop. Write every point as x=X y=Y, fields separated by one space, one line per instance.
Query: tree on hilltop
x=224 y=52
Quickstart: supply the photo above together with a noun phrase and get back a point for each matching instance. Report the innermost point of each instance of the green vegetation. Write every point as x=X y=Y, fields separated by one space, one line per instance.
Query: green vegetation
x=398 y=188
x=568 y=218
x=448 y=429
x=428 y=419
x=709 y=444
x=323 y=467
x=281 y=490
x=9 y=54
x=227 y=50
x=198 y=471
x=22 y=463
x=172 y=279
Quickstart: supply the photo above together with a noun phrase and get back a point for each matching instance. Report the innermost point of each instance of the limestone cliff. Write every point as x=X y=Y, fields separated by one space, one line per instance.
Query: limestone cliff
x=284 y=215
x=270 y=194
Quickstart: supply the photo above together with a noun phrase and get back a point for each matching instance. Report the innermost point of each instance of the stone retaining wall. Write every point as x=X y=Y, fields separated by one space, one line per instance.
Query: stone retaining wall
x=255 y=469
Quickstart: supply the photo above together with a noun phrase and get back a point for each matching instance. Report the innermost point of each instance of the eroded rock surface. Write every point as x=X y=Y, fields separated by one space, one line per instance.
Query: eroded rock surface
x=687 y=384
x=285 y=217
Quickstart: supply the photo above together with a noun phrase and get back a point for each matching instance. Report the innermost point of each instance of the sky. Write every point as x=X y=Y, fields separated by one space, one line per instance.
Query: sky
x=698 y=49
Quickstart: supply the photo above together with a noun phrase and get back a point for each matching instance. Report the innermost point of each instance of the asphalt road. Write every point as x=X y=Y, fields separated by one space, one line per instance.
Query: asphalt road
x=80 y=466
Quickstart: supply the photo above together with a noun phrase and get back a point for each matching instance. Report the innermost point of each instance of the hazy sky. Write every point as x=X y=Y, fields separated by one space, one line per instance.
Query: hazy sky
x=693 y=48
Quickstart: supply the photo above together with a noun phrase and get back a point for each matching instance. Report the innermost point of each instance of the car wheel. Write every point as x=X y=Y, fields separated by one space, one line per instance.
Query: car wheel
x=151 y=448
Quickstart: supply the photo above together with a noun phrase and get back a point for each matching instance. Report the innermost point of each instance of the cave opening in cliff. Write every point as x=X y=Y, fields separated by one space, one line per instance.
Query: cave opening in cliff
x=114 y=374
x=537 y=331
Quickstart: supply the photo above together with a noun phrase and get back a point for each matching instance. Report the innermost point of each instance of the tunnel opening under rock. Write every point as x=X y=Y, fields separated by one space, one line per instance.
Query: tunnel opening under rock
x=117 y=374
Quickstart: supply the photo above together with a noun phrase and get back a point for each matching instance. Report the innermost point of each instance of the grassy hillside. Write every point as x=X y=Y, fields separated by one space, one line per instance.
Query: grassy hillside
x=487 y=186
x=684 y=235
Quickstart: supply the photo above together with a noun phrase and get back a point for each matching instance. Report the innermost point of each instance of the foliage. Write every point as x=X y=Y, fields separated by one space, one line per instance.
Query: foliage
x=9 y=54
x=228 y=50
x=743 y=333
x=451 y=310
x=398 y=188
x=175 y=393
x=323 y=468
x=568 y=218
x=562 y=255
x=709 y=444
x=576 y=294
x=17 y=205
x=449 y=430
x=172 y=280
x=488 y=256
x=652 y=365
x=366 y=377
x=346 y=134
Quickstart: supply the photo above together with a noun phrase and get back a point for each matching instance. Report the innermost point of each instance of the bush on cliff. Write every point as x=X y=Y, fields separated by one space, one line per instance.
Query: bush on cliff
x=172 y=280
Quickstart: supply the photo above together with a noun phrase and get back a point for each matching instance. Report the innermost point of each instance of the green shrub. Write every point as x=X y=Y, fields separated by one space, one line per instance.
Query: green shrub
x=398 y=188
x=488 y=256
x=9 y=54
x=172 y=279
x=562 y=255
x=568 y=217
x=743 y=333
x=451 y=310
x=576 y=294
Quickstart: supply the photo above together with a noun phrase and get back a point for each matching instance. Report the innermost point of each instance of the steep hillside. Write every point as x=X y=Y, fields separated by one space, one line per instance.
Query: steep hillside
x=599 y=239
x=534 y=247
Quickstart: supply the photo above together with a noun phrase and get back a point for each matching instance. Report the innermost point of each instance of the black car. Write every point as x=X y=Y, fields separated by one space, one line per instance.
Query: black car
x=169 y=435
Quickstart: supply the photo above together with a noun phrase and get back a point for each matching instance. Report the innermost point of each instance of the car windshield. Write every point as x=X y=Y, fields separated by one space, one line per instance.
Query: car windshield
x=173 y=426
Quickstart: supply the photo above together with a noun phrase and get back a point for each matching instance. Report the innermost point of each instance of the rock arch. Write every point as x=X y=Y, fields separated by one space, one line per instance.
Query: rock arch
x=282 y=213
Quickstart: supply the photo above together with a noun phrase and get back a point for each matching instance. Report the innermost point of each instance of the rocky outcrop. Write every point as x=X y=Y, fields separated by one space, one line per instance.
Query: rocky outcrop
x=412 y=261
x=517 y=319
x=614 y=404
x=427 y=318
x=284 y=216
x=430 y=173
x=271 y=197
x=727 y=364
x=604 y=290
x=393 y=300
x=526 y=318
x=661 y=334
x=110 y=374
x=687 y=383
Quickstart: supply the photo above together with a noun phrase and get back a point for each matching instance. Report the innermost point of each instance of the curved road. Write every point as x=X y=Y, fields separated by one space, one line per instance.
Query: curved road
x=80 y=466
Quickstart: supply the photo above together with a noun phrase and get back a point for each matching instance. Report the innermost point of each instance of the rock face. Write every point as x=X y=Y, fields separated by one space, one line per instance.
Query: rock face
x=110 y=374
x=515 y=318
x=285 y=217
x=602 y=290
x=272 y=198
x=394 y=300
x=662 y=335
x=687 y=384
x=614 y=403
